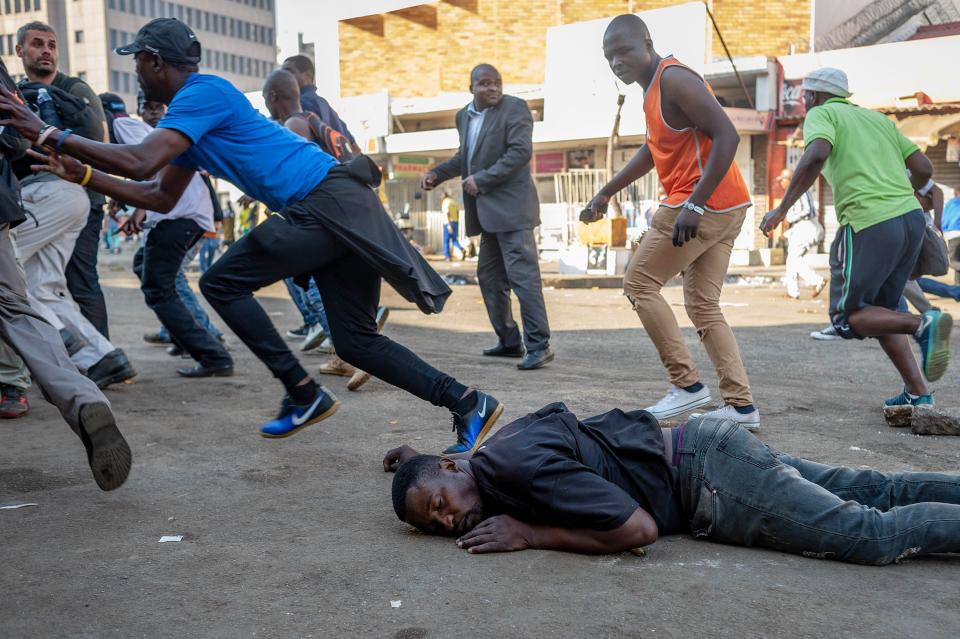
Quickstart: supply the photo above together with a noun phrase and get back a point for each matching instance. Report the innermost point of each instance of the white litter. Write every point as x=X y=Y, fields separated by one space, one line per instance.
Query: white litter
x=15 y=506
x=855 y=448
x=395 y=603
x=171 y=538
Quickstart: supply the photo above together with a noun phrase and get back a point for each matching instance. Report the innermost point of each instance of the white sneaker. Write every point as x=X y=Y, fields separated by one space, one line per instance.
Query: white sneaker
x=678 y=401
x=825 y=334
x=313 y=339
x=750 y=421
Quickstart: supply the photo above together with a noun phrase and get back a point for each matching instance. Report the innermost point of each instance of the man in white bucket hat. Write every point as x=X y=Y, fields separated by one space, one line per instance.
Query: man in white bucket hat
x=863 y=155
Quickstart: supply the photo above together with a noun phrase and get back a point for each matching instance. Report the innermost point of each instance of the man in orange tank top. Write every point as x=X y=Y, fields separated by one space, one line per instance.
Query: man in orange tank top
x=691 y=143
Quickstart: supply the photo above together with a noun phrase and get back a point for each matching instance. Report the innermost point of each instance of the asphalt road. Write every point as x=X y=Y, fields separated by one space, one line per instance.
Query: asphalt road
x=296 y=538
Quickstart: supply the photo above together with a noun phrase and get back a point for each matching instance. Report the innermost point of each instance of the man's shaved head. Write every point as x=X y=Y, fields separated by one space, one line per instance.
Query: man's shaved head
x=630 y=24
x=281 y=95
x=283 y=84
x=628 y=48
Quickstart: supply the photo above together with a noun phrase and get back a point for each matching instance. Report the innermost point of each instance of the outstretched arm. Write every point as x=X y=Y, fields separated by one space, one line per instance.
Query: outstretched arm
x=137 y=161
x=160 y=194
x=638 y=166
x=806 y=173
x=504 y=533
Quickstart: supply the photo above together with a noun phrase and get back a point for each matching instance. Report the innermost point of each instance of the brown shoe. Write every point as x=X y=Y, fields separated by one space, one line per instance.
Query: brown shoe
x=358 y=379
x=337 y=366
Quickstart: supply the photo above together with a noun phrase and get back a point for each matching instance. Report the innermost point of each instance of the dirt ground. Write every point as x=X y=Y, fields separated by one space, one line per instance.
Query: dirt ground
x=296 y=538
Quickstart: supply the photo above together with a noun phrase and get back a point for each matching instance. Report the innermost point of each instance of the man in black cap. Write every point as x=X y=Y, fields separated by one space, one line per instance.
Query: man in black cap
x=211 y=124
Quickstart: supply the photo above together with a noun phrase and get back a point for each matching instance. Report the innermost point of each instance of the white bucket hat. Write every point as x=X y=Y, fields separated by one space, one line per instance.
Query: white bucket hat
x=832 y=81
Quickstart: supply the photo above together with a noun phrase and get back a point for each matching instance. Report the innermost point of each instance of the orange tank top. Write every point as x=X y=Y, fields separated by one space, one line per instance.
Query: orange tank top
x=680 y=155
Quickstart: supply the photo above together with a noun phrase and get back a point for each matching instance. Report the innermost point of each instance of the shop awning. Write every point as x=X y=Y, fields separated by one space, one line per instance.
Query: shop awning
x=928 y=130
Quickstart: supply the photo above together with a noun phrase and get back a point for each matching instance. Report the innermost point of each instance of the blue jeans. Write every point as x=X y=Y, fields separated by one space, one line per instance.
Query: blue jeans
x=938 y=288
x=309 y=304
x=737 y=490
x=450 y=235
x=208 y=251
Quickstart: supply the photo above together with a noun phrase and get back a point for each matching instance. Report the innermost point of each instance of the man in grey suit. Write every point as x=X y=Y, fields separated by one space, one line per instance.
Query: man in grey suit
x=501 y=205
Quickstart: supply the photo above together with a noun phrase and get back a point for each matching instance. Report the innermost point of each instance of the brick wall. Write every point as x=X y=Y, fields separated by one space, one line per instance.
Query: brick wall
x=431 y=48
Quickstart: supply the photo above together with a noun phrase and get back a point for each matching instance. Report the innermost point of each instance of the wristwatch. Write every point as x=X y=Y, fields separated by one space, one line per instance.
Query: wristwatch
x=690 y=206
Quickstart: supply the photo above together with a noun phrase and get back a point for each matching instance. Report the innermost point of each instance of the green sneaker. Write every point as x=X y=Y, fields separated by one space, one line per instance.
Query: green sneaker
x=934 y=340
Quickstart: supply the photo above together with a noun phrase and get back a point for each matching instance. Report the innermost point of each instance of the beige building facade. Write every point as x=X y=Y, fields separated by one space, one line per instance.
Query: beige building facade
x=430 y=48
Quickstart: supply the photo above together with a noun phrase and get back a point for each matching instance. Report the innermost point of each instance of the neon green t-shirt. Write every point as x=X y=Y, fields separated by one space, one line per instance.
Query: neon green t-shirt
x=866 y=167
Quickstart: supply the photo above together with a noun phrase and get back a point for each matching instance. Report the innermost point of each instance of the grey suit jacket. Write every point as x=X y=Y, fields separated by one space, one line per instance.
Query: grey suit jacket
x=501 y=167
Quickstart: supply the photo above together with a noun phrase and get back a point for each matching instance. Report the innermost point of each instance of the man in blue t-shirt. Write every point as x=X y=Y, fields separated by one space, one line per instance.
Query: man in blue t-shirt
x=330 y=225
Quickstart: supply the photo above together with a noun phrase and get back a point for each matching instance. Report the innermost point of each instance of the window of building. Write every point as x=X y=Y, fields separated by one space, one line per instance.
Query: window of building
x=112 y=39
x=153 y=8
x=78 y=37
x=180 y=12
x=143 y=7
x=126 y=83
x=114 y=80
x=231 y=23
x=36 y=5
x=112 y=4
x=206 y=20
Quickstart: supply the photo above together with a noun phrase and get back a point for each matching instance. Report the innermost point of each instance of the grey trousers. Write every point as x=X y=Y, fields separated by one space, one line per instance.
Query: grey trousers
x=45 y=246
x=39 y=344
x=508 y=261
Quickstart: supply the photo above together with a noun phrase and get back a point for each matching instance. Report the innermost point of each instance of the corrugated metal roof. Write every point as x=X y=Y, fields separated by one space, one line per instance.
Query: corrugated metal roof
x=939 y=108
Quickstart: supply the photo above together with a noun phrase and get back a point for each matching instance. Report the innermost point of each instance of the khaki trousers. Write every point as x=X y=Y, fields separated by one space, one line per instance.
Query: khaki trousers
x=703 y=262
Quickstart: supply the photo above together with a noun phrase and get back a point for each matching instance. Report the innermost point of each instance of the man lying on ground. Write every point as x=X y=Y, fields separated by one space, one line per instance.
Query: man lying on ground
x=617 y=481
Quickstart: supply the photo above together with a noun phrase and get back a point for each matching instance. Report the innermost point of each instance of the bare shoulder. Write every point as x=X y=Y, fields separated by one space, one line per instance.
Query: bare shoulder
x=678 y=78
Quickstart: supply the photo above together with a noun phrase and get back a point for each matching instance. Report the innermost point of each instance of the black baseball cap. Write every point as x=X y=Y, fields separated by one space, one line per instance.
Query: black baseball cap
x=168 y=38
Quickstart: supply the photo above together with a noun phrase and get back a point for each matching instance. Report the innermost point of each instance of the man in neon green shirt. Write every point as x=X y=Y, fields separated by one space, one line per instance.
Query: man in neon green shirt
x=874 y=172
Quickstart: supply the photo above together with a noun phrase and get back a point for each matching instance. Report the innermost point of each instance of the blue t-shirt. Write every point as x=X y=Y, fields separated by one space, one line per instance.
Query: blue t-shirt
x=233 y=141
x=951 y=215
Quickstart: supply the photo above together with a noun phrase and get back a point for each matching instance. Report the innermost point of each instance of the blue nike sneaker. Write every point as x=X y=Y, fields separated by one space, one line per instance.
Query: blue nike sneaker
x=906 y=399
x=473 y=427
x=293 y=417
x=934 y=340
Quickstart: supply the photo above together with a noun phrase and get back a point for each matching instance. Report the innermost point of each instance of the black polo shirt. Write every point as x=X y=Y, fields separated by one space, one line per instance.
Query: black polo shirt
x=550 y=468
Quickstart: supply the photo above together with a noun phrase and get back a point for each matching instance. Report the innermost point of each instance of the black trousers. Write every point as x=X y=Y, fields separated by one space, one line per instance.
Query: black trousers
x=83 y=281
x=157 y=264
x=297 y=244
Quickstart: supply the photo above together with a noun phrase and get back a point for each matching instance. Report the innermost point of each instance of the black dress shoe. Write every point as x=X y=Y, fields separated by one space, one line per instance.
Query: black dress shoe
x=504 y=351
x=174 y=350
x=203 y=371
x=113 y=368
x=536 y=359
